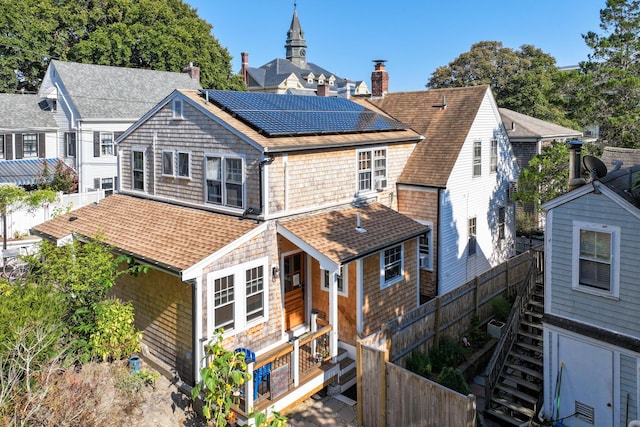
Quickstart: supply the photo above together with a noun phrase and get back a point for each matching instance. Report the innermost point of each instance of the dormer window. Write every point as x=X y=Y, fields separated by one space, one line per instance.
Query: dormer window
x=332 y=80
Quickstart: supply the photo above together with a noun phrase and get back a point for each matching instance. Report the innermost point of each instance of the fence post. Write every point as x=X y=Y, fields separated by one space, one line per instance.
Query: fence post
x=508 y=278
x=382 y=374
x=295 y=358
x=436 y=323
x=476 y=296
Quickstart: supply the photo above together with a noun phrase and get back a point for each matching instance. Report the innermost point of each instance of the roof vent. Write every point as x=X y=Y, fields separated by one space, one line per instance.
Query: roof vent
x=359 y=228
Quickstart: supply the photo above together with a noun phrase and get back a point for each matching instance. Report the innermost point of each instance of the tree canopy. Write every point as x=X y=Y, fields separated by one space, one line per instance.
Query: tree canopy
x=151 y=34
x=525 y=80
x=608 y=94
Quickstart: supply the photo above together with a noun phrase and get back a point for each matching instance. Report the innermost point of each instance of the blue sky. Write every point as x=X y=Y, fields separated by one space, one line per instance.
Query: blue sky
x=414 y=36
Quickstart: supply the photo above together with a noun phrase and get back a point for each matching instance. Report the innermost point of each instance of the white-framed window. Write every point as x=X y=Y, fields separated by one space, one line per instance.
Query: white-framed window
x=391 y=266
x=238 y=296
x=107 y=185
x=343 y=281
x=595 y=258
x=137 y=169
x=2 y=148
x=70 y=143
x=472 y=243
x=177 y=109
x=372 y=169
x=184 y=164
x=106 y=143
x=494 y=155
x=425 y=250
x=167 y=163
x=501 y=222
x=30 y=145
x=225 y=181
x=477 y=158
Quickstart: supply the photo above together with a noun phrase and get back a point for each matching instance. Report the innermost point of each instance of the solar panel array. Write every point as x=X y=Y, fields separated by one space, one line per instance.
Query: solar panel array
x=284 y=115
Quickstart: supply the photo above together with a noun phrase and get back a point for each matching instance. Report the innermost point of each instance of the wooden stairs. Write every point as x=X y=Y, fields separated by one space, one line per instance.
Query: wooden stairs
x=517 y=390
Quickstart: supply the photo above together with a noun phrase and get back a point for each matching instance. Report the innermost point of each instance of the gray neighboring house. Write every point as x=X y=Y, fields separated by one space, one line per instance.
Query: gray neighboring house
x=93 y=104
x=28 y=135
x=294 y=75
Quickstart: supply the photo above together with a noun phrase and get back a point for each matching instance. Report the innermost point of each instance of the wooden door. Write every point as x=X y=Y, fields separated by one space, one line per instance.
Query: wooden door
x=294 y=276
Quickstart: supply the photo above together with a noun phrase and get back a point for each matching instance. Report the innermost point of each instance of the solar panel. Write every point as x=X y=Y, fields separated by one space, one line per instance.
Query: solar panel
x=284 y=115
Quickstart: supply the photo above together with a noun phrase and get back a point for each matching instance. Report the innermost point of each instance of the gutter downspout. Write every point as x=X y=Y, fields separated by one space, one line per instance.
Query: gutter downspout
x=267 y=159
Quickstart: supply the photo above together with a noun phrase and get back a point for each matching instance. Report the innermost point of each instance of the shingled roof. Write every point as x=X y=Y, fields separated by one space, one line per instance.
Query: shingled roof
x=334 y=233
x=100 y=91
x=520 y=126
x=444 y=129
x=170 y=236
x=24 y=112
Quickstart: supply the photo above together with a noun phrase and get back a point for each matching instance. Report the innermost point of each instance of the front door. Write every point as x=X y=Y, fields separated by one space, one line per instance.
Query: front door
x=294 y=276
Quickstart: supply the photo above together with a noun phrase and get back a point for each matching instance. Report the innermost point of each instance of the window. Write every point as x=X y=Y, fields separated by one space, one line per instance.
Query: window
x=425 y=244
x=501 y=219
x=477 y=158
x=138 y=170
x=224 y=302
x=471 y=250
x=237 y=296
x=70 y=143
x=184 y=164
x=106 y=143
x=494 y=155
x=255 y=292
x=225 y=181
x=342 y=280
x=391 y=266
x=30 y=145
x=372 y=169
x=177 y=109
x=167 y=163
x=1 y=146
x=596 y=266
x=107 y=185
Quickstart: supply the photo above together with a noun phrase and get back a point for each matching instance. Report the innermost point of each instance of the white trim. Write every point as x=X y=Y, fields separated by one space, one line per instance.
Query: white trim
x=345 y=280
x=325 y=263
x=240 y=298
x=199 y=313
x=196 y=269
x=397 y=279
x=359 y=295
x=373 y=186
x=614 y=278
x=177 y=109
x=139 y=149
x=548 y=251
x=223 y=180
x=177 y=164
x=173 y=164
x=567 y=197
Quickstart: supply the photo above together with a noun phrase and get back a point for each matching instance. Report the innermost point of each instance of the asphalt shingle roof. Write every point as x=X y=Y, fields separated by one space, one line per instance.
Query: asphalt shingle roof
x=444 y=129
x=172 y=236
x=334 y=233
x=24 y=112
x=530 y=127
x=100 y=91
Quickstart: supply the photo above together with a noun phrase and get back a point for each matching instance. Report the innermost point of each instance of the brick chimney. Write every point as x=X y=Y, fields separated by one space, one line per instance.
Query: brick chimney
x=193 y=71
x=245 y=66
x=575 y=175
x=322 y=90
x=379 y=79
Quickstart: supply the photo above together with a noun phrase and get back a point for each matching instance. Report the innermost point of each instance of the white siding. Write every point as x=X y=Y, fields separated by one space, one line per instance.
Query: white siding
x=467 y=196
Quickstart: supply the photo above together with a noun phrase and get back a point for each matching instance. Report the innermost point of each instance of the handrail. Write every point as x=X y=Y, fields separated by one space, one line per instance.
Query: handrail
x=511 y=329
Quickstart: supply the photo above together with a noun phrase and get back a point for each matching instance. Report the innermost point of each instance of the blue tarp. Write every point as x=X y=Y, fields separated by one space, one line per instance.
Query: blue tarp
x=24 y=171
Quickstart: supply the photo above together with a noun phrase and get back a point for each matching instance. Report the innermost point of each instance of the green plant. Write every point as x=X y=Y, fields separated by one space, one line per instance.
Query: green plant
x=448 y=352
x=501 y=308
x=133 y=383
x=419 y=362
x=261 y=420
x=225 y=372
x=453 y=379
x=477 y=335
x=115 y=335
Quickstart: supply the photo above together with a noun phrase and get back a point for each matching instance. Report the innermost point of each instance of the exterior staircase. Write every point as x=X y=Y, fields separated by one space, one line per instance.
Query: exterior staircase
x=346 y=373
x=517 y=385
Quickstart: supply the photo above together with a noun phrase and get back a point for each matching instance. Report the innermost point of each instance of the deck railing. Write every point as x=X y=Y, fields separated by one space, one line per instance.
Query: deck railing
x=288 y=366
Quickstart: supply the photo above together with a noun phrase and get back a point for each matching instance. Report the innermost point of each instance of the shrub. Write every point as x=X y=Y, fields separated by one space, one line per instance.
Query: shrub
x=115 y=335
x=419 y=363
x=453 y=379
x=501 y=308
x=478 y=335
x=448 y=352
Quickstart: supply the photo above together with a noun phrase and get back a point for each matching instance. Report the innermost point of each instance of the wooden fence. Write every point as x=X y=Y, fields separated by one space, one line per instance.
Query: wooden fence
x=394 y=396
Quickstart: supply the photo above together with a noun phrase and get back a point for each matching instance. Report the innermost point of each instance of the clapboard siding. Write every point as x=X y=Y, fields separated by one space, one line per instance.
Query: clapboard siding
x=621 y=314
x=628 y=388
x=467 y=196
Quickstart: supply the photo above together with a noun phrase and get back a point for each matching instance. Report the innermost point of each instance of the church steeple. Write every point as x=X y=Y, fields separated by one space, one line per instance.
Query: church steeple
x=296 y=45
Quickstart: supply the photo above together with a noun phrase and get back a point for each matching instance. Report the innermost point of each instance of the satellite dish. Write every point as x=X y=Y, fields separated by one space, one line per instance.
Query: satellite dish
x=595 y=166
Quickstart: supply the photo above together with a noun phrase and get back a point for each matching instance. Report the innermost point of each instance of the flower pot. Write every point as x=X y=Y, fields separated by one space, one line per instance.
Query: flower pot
x=494 y=328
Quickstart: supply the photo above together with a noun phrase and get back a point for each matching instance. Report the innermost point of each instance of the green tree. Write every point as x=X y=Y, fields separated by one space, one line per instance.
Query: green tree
x=151 y=34
x=609 y=93
x=14 y=197
x=525 y=80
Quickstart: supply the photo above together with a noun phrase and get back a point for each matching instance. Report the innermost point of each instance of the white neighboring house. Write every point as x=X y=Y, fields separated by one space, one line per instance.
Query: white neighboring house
x=28 y=135
x=93 y=104
x=456 y=181
x=591 y=323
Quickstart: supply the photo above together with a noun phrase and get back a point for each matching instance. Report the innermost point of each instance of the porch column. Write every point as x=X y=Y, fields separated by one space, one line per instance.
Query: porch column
x=333 y=314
